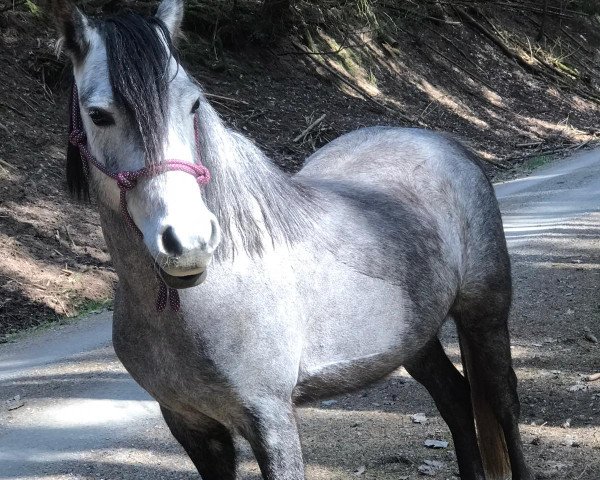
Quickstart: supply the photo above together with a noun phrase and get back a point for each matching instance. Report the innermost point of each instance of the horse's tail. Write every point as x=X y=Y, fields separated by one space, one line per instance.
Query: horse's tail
x=490 y=436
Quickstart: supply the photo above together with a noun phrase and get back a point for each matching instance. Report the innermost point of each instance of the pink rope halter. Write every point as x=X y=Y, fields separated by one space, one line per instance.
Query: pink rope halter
x=127 y=180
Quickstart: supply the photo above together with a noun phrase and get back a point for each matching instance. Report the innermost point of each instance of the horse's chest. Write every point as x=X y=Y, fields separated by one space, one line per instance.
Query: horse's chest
x=170 y=368
x=208 y=358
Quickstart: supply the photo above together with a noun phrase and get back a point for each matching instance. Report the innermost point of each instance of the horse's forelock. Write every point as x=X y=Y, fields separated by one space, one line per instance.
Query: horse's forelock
x=138 y=52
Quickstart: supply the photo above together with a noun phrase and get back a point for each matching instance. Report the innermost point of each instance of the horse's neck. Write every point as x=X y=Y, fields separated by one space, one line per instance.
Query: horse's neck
x=256 y=204
x=129 y=255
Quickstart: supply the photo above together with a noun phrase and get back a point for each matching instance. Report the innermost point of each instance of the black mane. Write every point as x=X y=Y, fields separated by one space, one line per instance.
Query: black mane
x=138 y=69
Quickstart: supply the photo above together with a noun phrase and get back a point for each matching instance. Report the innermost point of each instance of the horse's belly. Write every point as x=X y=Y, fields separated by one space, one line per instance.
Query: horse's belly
x=363 y=330
x=360 y=316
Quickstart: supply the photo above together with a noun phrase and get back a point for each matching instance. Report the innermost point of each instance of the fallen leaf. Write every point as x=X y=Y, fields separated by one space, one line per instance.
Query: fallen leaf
x=570 y=441
x=593 y=377
x=590 y=337
x=360 y=470
x=14 y=403
x=430 y=467
x=430 y=443
x=418 y=418
x=427 y=470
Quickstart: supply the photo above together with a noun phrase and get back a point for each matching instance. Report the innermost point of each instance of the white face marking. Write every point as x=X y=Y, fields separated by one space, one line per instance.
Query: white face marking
x=171 y=201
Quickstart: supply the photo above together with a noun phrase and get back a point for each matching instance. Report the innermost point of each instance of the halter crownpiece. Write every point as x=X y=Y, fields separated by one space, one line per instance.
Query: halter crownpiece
x=127 y=180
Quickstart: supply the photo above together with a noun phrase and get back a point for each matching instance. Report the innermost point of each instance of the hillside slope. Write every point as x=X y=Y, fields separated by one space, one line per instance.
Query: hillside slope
x=488 y=72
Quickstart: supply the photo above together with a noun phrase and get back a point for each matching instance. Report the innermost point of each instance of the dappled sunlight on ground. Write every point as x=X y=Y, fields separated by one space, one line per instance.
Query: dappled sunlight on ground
x=492 y=97
x=118 y=457
x=96 y=422
x=76 y=413
x=100 y=361
x=562 y=435
x=544 y=128
x=439 y=95
x=566 y=266
x=33 y=236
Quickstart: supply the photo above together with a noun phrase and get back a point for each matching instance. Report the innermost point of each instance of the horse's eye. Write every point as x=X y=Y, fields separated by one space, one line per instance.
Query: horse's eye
x=195 y=106
x=100 y=117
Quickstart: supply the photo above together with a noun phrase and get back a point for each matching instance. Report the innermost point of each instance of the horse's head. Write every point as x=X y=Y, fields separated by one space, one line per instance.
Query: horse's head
x=137 y=107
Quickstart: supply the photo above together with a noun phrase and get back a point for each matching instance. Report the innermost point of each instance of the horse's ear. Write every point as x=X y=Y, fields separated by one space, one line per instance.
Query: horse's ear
x=171 y=14
x=77 y=181
x=73 y=27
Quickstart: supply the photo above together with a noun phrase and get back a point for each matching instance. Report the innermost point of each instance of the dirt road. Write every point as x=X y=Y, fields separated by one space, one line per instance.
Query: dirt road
x=70 y=411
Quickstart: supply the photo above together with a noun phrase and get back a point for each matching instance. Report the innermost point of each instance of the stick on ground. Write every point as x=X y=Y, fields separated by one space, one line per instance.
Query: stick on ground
x=308 y=129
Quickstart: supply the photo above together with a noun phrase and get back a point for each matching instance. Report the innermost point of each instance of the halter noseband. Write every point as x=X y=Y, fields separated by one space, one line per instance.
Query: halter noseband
x=127 y=180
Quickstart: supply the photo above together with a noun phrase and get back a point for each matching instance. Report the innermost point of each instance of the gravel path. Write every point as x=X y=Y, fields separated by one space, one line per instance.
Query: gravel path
x=70 y=411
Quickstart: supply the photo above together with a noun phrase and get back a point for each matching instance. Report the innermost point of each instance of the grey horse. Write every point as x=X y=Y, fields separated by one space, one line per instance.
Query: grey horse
x=284 y=289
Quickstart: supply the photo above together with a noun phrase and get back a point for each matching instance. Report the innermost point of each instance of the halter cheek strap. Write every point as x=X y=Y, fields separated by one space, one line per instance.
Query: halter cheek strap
x=127 y=180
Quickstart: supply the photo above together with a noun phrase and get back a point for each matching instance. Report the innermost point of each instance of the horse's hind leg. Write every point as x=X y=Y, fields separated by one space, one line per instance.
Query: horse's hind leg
x=450 y=391
x=485 y=344
x=208 y=444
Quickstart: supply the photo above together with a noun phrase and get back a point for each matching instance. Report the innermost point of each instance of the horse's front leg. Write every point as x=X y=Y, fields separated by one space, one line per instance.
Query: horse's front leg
x=273 y=436
x=208 y=444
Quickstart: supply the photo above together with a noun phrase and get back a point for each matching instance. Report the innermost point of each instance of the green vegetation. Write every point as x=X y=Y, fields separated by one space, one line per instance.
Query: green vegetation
x=40 y=327
x=85 y=308
x=536 y=162
x=33 y=8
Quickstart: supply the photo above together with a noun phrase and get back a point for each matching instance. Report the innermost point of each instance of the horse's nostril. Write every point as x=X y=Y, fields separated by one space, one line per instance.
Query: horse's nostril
x=171 y=243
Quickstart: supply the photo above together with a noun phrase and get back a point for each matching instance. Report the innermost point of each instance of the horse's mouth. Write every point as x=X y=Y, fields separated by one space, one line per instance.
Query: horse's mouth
x=184 y=281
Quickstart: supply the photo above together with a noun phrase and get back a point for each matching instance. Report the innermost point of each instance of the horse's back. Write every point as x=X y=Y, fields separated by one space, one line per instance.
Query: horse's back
x=389 y=154
x=435 y=173
x=431 y=169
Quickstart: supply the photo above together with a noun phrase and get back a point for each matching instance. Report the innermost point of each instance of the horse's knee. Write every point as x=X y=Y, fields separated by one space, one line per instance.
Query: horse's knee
x=273 y=435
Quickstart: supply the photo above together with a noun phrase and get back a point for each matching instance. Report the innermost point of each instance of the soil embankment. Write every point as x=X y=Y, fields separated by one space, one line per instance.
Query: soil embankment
x=516 y=82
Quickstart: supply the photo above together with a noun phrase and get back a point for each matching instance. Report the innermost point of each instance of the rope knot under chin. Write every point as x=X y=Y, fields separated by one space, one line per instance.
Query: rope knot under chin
x=126 y=180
